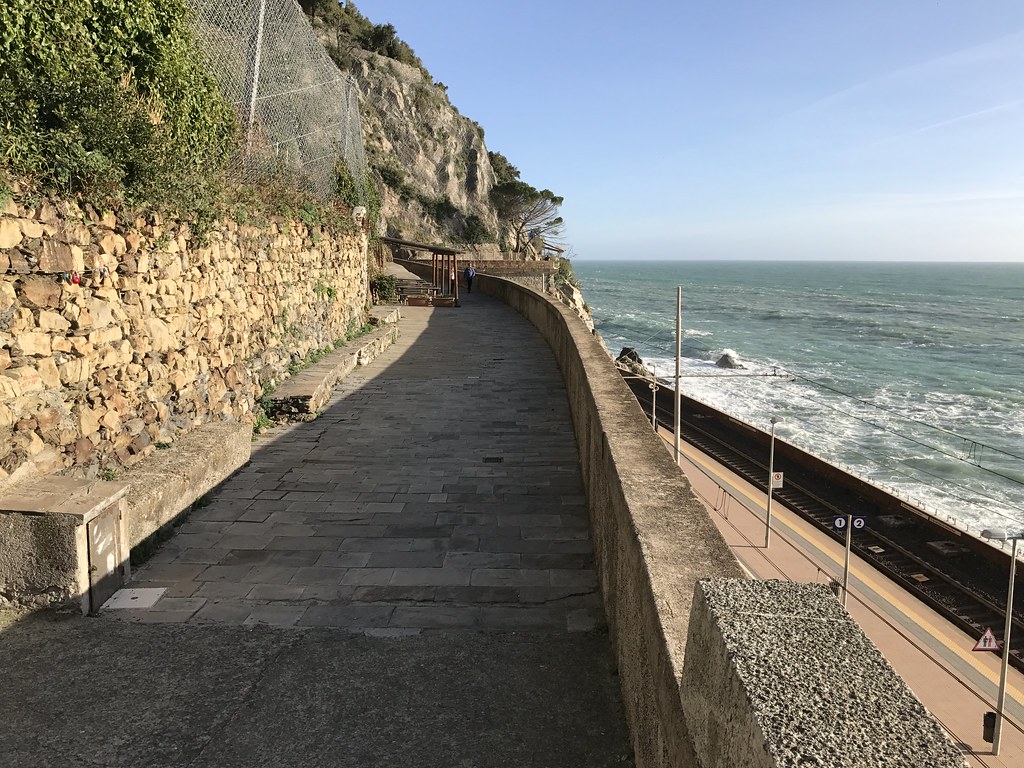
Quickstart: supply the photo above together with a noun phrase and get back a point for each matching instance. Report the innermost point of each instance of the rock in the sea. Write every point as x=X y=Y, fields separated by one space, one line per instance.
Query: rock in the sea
x=630 y=360
x=729 y=359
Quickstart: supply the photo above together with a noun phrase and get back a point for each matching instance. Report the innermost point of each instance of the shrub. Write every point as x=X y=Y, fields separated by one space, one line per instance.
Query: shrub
x=384 y=289
x=109 y=100
x=475 y=231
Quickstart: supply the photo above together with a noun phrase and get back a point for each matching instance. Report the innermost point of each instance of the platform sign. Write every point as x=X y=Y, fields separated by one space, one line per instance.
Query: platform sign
x=839 y=523
x=776 y=480
x=987 y=642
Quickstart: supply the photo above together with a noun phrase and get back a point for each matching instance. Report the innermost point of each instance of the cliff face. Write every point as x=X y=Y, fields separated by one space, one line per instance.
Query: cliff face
x=431 y=161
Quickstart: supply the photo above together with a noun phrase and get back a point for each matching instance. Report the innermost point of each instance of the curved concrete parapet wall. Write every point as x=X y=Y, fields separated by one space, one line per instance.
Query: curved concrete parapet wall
x=706 y=679
x=652 y=538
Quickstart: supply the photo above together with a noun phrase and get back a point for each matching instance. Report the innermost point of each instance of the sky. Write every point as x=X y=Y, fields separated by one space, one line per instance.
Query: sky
x=748 y=129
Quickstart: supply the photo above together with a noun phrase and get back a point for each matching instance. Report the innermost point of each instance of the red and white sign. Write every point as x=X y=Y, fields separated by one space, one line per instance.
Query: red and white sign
x=987 y=642
x=776 y=479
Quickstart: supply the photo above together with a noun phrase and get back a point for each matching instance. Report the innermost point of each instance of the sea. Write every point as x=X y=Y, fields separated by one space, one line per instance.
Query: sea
x=910 y=375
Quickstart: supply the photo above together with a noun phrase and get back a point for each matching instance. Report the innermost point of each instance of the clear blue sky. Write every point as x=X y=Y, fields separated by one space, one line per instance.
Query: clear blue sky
x=796 y=129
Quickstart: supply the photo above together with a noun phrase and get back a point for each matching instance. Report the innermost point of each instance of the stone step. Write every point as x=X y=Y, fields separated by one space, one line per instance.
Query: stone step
x=300 y=397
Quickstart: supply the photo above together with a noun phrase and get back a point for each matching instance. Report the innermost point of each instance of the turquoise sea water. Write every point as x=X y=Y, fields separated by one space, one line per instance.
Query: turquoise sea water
x=909 y=374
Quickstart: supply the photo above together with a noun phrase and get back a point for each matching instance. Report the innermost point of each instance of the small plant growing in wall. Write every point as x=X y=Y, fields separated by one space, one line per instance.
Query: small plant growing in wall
x=323 y=290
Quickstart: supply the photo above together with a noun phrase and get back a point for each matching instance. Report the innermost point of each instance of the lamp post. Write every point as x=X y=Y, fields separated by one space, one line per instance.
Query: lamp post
x=997 y=534
x=771 y=473
x=679 y=349
x=654 y=399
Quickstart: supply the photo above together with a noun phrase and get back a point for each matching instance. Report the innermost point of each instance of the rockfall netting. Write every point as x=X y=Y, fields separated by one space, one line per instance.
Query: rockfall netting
x=299 y=113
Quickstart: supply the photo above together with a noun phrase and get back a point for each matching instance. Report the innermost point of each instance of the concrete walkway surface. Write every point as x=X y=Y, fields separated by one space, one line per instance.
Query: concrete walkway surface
x=407 y=581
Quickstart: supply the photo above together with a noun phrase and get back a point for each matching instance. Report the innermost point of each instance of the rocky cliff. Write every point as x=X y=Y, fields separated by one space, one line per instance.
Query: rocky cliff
x=431 y=161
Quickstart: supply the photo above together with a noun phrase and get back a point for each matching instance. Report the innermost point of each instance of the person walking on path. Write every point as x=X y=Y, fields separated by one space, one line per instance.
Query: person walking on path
x=470 y=274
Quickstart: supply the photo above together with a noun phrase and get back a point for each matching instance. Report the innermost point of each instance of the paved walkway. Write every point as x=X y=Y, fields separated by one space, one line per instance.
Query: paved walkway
x=406 y=581
x=440 y=489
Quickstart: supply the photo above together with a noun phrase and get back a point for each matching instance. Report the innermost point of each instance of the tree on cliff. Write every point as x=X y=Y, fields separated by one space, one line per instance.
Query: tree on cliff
x=527 y=212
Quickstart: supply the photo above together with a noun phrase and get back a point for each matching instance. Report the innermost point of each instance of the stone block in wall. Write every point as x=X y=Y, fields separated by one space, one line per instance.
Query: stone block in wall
x=48 y=373
x=112 y=243
x=778 y=673
x=52 y=321
x=39 y=291
x=32 y=344
x=88 y=420
x=10 y=233
x=57 y=256
x=23 y=380
x=31 y=228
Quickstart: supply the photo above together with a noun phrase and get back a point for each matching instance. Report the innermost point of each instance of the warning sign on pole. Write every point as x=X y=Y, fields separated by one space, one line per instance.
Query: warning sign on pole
x=776 y=479
x=988 y=642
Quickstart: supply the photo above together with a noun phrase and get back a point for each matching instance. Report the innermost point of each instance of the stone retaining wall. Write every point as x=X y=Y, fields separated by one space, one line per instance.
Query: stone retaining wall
x=119 y=334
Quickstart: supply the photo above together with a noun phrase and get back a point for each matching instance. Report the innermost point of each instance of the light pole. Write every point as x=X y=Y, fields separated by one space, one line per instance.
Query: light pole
x=654 y=399
x=771 y=473
x=679 y=350
x=997 y=534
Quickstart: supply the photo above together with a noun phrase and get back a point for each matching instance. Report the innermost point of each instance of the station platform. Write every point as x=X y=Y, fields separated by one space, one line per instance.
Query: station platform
x=935 y=658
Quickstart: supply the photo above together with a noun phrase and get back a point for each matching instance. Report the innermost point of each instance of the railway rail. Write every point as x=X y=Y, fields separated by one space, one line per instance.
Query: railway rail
x=953 y=574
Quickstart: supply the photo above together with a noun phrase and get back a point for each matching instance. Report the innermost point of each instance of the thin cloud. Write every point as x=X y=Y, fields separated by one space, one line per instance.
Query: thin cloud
x=1007 y=45
x=943 y=123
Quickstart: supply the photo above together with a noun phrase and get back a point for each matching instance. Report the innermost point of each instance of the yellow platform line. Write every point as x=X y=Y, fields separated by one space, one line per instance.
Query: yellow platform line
x=882 y=587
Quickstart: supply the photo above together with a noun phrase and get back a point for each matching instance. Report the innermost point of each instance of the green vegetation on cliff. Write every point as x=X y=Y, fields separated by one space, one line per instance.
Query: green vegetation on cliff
x=108 y=100
x=425 y=144
x=350 y=28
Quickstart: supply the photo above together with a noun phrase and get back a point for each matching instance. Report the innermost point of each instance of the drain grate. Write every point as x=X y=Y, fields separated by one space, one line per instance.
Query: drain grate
x=493 y=459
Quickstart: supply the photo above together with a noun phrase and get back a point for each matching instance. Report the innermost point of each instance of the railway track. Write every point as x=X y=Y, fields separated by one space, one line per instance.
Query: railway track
x=967 y=591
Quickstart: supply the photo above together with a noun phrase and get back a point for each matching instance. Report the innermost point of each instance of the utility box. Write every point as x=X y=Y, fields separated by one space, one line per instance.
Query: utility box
x=988 y=732
x=63 y=541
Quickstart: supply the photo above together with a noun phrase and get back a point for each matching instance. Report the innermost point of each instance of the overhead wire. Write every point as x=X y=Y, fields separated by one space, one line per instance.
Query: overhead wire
x=882 y=460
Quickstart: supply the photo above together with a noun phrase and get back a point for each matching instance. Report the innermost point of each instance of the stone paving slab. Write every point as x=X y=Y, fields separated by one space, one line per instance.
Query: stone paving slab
x=440 y=489
x=234 y=693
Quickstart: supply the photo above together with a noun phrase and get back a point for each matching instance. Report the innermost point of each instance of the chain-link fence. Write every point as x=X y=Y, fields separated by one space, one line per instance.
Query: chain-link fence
x=299 y=113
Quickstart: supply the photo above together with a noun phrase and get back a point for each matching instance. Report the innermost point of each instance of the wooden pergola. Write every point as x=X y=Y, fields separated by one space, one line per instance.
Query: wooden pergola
x=444 y=260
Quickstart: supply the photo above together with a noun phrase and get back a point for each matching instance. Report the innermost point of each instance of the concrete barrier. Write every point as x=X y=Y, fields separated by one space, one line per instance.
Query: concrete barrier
x=62 y=542
x=170 y=481
x=67 y=540
x=786 y=677
x=301 y=396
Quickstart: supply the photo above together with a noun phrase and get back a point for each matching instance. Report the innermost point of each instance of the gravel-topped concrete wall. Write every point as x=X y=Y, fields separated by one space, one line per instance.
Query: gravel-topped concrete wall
x=786 y=678
x=116 y=334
